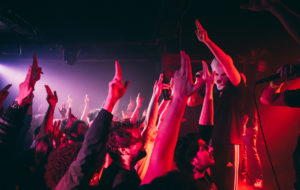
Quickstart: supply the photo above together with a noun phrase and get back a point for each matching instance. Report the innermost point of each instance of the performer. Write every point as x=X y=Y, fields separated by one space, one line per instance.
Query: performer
x=227 y=133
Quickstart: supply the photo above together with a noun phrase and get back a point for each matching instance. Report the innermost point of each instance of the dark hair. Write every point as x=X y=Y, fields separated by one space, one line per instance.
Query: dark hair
x=59 y=161
x=37 y=130
x=186 y=149
x=76 y=133
x=121 y=136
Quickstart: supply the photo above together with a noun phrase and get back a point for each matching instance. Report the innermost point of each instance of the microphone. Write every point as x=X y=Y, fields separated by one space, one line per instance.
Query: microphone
x=269 y=78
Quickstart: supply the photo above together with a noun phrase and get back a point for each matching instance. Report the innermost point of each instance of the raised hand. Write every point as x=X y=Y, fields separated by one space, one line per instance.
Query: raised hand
x=62 y=110
x=71 y=119
x=207 y=76
x=258 y=5
x=158 y=86
x=36 y=71
x=200 y=32
x=139 y=100
x=116 y=87
x=69 y=100
x=86 y=100
x=51 y=97
x=183 y=82
x=25 y=91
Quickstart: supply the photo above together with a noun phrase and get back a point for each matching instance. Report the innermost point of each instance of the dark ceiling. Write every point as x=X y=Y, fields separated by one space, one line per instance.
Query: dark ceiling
x=165 y=23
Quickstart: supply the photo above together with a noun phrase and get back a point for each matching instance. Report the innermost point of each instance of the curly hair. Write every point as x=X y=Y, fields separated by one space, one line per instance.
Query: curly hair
x=59 y=161
x=186 y=149
x=77 y=131
x=121 y=136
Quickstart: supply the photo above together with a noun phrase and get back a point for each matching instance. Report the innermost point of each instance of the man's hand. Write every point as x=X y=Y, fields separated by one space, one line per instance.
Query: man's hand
x=87 y=100
x=158 y=86
x=71 y=119
x=4 y=93
x=258 y=5
x=139 y=100
x=62 y=110
x=183 y=82
x=25 y=91
x=116 y=89
x=26 y=88
x=69 y=100
x=200 y=32
x=51 y=97
x=34 y=72
x=207 y=76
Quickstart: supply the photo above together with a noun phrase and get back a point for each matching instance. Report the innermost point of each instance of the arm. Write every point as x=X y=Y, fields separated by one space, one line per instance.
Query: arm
x=164 y=146
x=82 y=169
x=289 y=19
x=48 y=120
x=85 y=113
x=136 y=111
x=11 y=121
x=196 y=99
x=270 y=95
x=224 y=59
x=154 y=108
x=207 y=112
x=150 y=131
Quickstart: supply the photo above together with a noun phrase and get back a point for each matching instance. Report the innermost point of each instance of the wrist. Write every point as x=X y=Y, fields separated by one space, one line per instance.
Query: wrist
x=19 y=101
x=209 y=90
x=109 y=104
x=207 y=41
x=52 y=106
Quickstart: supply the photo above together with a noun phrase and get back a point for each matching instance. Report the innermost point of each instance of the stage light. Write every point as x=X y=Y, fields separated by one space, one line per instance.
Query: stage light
x=12 y=75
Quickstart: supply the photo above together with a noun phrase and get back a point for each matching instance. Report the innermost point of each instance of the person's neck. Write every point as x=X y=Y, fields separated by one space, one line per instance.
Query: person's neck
x=125 y=163
x=198 y=174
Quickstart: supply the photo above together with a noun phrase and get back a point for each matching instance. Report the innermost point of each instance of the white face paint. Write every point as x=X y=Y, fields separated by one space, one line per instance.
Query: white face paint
x=221 y=78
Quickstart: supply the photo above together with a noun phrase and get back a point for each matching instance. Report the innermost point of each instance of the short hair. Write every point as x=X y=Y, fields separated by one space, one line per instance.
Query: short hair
x=186 y=149
x=37 y=130
x=121 y=136
x=59 y=161
x=75 y=133
x=215 y=62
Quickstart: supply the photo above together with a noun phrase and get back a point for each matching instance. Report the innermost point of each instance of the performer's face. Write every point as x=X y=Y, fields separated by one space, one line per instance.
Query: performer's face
x=221 y=77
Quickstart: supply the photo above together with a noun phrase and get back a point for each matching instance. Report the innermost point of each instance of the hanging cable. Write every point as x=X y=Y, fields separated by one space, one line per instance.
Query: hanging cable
x=265 y=142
